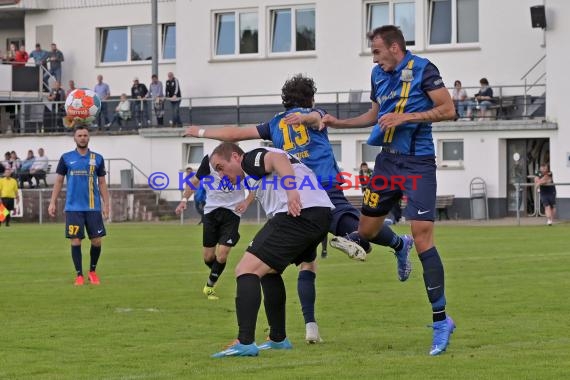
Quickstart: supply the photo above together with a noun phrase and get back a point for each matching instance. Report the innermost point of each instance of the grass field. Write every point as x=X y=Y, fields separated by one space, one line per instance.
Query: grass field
x=507 y=289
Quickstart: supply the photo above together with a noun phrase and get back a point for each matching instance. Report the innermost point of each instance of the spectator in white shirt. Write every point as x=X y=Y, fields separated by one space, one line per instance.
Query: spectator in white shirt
x=39 y=167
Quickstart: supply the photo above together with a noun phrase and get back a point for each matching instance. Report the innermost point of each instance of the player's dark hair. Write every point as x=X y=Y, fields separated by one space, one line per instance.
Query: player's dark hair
x=80 y=128
x=226 y=150
x=298 y=91
x=389 y=34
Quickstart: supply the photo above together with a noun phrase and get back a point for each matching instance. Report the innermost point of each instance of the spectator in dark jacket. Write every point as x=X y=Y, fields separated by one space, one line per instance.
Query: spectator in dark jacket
x=173 y=95
x=140 y=108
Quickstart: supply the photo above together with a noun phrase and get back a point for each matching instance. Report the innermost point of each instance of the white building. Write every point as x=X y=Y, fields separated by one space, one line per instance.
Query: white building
x=233 y=48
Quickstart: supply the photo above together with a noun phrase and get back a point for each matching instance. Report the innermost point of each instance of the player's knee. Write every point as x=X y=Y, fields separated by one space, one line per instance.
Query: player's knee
x=96 y=242
x=312 y=266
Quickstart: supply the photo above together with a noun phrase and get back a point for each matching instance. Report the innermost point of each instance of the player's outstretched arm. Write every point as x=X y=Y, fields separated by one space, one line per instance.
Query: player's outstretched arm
x=186 y=194
x=312 y=119
x=55 y=192
x=364 y=120
x=227 y=134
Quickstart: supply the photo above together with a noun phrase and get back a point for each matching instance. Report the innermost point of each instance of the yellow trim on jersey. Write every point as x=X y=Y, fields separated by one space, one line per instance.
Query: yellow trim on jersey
x=401 y=105
x=92 y=163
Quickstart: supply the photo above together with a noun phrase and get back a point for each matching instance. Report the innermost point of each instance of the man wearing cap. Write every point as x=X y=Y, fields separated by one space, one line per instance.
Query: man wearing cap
x=138 y=94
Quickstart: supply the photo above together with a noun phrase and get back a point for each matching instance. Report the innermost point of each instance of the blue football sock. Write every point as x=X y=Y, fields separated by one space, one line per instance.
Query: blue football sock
x=434 y=282
x=307 y=294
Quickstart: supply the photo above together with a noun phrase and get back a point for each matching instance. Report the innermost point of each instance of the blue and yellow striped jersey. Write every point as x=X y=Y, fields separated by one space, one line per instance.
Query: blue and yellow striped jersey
x=404 y=90
x=310 y=146
x=82 y=174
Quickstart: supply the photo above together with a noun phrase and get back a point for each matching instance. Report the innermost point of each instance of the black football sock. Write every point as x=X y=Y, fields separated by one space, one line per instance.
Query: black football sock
x=216 y=272
x=209 y=263
x=95 y=254
x=76 y=257
x=274 y=297
x=307 y=294
x=434 y=282
x=248 y=301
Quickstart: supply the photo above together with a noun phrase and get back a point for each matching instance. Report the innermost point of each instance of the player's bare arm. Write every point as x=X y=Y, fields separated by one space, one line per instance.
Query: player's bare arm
x=443 y=109
x=228 y=134
x=187 y=193
x=312 y=119
x=367 y=119
x=104 y=195
x=57 y=186
x=279 y=163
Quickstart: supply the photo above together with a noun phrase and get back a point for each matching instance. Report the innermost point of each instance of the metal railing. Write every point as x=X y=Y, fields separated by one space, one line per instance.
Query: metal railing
x=535 y=83
x=511 y=102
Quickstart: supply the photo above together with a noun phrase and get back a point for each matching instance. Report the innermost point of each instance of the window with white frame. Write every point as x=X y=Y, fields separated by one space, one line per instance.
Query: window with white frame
x=337 y=150
x=193 y=154
x=236 y=32
x=124 y=44
x=453 y=21
x=169 y=41
x=292 y=29
x=401 y=13
x=368 y=153
x=450 y=153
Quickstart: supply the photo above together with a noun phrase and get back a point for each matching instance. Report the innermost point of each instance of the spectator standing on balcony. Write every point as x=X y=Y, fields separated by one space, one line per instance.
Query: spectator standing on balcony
x=459 y=96
x=21 y=56
x=11 y=54
x=55 y=59
x=40 y=58
x=173 y=94
x=138 y=94
x=547 y=192
x=8 y=193
x=39 y=167
x=57 y=95
x=102 y=89
x=156 y=93
x=483 y=100
x=71 y=88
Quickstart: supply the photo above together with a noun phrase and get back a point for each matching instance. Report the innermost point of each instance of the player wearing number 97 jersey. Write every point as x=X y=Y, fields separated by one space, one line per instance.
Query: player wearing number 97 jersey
x=86 y=187
x=297 y=131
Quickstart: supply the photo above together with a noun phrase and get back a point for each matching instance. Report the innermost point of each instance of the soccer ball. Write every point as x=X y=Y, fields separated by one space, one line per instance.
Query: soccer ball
x=81 y=107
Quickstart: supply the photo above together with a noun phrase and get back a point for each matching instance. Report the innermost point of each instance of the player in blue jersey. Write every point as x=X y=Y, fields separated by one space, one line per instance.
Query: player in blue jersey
x=86 y=188
x=407 y=95
x=297 y=131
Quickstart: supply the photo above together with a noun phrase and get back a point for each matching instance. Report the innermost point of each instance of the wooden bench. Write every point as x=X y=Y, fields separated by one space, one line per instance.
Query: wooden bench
x=442 y=202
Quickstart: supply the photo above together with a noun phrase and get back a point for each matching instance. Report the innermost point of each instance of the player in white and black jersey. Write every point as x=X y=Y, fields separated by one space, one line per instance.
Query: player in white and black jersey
x=224 y=205
x=300 y=219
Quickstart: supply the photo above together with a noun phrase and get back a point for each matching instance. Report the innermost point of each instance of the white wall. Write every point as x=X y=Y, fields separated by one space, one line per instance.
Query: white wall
x=558 y=57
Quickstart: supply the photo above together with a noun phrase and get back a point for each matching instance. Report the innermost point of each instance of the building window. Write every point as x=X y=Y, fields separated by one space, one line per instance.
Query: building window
x=233 y=38
x=194 y=153
x=453 y=21
x=169 y=41
x=368 y=153
x=337 y=150
x=134 y=43
x=141 y=43
x=292 y=29
x=114 y=44
x=392 y=12
x=450 y=153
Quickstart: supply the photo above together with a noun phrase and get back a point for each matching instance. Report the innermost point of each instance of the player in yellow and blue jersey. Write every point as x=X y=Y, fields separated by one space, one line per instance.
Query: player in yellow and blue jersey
x=298 y=131
x=86 y=188
x=407 y=95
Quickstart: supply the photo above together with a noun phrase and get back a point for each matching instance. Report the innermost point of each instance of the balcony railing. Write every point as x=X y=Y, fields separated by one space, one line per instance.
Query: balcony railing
x=24 y=117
